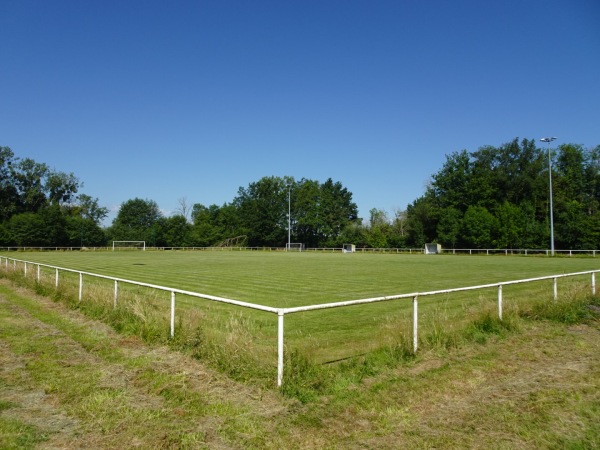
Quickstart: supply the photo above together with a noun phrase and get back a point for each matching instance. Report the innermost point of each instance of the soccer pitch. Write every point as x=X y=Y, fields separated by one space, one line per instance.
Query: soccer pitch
x=281 y=279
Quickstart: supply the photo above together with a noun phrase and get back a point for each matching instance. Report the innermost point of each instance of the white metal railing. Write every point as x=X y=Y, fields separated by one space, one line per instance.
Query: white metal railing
x=136 y=283
x=416 y=251
x=281 y=312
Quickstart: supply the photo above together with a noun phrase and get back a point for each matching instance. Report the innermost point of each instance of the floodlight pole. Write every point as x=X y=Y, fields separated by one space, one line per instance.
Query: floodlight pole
x=547 y=140
x=289 y=216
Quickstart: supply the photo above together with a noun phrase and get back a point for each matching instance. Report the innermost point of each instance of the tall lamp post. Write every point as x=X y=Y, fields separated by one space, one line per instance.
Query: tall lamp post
x=289 y=215
x=547 y=140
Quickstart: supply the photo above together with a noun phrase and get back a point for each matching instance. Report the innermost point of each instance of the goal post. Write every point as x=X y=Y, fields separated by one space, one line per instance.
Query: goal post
x=129 y=245
x=294 y=247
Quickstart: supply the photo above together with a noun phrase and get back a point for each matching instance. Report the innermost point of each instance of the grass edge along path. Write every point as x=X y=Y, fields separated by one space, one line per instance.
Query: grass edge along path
x=536 y=386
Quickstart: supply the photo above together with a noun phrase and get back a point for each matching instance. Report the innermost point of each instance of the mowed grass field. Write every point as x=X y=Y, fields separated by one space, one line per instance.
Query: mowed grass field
x=282 y=279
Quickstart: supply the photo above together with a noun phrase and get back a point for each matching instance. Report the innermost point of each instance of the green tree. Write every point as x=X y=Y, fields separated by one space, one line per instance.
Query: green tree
x=137 y=220
x=44 y=228
x=28 y=178
x=319 y=212
x=379 y=229
x=517 y=171
x=262 y=208
x=479 y=226
x=398 y=233
x=204 y=232
x=83 y=232
x=422 y=220
x=592 y=181
x=511 y=183
x=5 y=238
x=306 y=217
x=450 y=187
x=89 y=208
x=449 y=227
x=176 y=231
x=9 y=196
x=215 y=224
x=27 y=186
x=570 y=177
x=27 y=229
x=337 y=210
x=355 y=233
x=511 y=224
x=54 y=225
x=60 y=187
x=534 y=233
x=572 y=225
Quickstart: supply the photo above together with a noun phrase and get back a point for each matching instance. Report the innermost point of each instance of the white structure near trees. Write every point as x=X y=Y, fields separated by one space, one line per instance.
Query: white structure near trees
x=433 y=249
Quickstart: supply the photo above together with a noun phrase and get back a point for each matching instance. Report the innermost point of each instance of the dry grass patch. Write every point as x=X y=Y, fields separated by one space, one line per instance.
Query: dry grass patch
x=535 y=389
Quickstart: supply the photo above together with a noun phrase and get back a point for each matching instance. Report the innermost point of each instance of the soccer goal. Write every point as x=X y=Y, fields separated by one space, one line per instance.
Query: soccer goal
x=294 y=247
x=433 y=249
x=129 y=245
x=348 y=248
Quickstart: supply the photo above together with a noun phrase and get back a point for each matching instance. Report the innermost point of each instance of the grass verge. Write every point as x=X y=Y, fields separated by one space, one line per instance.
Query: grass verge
x=114 y=391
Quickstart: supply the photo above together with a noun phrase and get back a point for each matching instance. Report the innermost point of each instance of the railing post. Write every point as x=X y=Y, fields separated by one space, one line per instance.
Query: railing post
x=415 y=324
x=116 y=294
x=280 y=315
x=25 y=268
x=80 y=286
x=172 y=313
x=593 y=283
x=555 y=288
x=500 y=301
x=56 y=279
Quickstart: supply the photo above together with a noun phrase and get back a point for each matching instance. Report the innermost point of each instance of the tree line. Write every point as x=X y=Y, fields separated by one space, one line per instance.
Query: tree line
x=495 y=197
x=257 y=217
x=499 y=197
x=40 y=206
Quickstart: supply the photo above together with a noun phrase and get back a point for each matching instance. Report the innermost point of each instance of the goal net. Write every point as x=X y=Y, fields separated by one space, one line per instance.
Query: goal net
x=348 y=248
x=294 y=247
x=433 y=249
x=129 y=245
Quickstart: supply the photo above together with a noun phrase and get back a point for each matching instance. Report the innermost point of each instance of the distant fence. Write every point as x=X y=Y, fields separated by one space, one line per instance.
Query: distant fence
x=7 y=263
x=407 y=250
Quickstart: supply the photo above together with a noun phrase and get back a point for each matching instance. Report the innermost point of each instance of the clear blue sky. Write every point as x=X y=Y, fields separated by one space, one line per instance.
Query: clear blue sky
x=193 y=99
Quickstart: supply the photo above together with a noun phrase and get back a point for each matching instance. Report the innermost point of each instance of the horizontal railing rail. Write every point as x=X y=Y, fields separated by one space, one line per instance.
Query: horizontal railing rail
x=281 y=312
x=403 y=250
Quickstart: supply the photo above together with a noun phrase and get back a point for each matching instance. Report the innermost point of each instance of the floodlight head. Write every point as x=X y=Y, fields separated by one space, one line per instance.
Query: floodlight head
x=548 y=139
